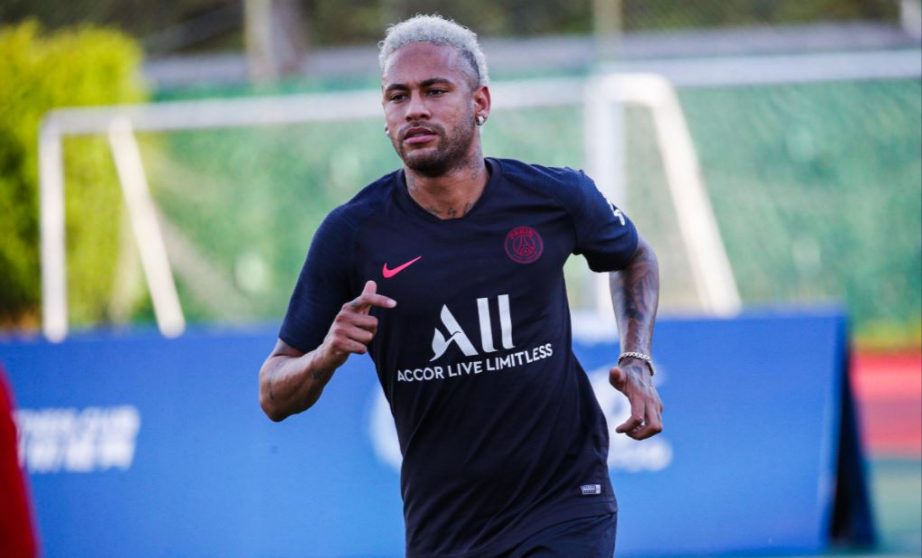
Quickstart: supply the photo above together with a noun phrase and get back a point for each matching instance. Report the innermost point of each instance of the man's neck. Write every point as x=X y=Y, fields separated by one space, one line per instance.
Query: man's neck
x=453 y=194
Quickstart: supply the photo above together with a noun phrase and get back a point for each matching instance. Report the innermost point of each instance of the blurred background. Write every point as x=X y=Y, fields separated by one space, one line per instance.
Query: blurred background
x=805 y=116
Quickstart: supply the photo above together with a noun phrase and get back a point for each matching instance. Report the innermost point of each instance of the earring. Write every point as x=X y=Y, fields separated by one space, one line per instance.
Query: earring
x=480 y=120
x=386 y=131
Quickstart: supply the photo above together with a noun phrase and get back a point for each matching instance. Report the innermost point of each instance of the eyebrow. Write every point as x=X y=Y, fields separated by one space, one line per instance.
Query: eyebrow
x=425 y=83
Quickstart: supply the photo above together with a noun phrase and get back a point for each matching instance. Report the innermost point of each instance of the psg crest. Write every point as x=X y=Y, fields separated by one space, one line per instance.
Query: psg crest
x=524 y=245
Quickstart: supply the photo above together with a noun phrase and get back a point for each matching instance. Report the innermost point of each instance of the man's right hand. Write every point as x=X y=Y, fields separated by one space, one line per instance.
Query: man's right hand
x=353 y=328
x=290 y=381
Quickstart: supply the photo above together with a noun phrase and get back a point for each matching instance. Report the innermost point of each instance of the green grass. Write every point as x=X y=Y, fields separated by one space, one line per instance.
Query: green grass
x=896 y=486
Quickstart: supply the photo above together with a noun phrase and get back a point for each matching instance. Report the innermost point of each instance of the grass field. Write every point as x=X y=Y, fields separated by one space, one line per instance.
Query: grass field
x=896 y=485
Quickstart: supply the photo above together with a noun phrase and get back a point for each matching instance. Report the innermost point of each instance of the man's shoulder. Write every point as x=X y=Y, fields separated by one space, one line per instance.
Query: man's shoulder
x=516 y=167
x=554 y=181
x=373 y=194
x=364 y=203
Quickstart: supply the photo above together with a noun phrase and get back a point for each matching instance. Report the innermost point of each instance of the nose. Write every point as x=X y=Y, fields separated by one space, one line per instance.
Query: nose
x=417 y=108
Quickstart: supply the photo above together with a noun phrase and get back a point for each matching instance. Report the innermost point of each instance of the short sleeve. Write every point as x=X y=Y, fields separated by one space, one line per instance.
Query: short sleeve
x=604 y=234
x=323 y=286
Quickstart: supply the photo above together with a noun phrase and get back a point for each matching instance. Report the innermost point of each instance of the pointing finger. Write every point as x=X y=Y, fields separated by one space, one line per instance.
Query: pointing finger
x=369 y=298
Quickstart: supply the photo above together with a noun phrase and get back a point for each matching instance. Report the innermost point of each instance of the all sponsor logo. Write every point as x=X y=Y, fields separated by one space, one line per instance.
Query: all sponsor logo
x=456 y=335
x=450 y=333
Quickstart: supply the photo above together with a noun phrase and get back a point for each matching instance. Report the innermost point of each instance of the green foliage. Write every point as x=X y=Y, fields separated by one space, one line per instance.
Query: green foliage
x=87 y=66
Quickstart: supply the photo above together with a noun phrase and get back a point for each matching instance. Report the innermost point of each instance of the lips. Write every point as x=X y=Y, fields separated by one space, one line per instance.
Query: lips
x=418 y=135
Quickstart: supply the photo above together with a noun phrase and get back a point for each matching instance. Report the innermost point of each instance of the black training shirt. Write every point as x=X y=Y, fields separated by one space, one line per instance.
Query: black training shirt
x=500 y=431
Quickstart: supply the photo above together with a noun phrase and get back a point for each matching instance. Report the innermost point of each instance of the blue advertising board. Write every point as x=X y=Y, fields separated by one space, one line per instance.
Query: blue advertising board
x=142 y=446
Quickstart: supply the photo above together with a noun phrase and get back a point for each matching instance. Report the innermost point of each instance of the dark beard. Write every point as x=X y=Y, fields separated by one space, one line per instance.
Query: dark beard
x=449 y=156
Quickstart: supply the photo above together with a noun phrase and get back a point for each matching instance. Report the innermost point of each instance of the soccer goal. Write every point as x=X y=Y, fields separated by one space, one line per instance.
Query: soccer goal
x=574 y=122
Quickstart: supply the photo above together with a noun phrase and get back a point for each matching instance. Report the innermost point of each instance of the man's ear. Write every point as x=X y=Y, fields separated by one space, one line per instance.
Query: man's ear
x=481 y=98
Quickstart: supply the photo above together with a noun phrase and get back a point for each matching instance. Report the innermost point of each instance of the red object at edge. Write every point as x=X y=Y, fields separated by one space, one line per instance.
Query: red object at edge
x=17 y=532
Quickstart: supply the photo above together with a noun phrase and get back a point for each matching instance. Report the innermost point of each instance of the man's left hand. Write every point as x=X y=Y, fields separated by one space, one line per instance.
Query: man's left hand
x=633 y=379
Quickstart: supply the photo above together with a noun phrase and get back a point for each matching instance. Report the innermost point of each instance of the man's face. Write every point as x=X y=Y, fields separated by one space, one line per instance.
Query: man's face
x=430 y=105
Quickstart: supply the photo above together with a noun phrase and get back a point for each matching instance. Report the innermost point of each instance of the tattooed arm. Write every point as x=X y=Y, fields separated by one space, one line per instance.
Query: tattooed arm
x=635 y=295
x=291 y=381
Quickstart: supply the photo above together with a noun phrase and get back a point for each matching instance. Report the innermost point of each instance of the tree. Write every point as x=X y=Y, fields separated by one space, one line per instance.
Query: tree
x=87 y=66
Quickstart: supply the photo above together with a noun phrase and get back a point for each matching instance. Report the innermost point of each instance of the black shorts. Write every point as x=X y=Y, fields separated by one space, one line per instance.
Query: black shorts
x=587 y=537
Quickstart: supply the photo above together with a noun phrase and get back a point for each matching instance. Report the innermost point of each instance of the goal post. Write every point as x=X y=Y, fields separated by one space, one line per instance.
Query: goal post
x=711 y=271
x=121 y=122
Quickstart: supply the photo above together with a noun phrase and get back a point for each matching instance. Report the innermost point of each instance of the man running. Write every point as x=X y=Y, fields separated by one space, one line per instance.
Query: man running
x=449 y=273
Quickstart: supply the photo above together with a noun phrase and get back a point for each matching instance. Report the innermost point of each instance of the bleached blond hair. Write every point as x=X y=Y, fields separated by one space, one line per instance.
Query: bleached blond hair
x=438 y=30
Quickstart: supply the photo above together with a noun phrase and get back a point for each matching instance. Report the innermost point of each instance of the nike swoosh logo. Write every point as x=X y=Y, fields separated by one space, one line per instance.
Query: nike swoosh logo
x=388 y=273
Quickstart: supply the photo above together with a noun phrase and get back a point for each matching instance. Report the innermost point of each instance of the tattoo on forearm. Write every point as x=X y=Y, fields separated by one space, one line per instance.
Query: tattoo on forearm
x=635 y=295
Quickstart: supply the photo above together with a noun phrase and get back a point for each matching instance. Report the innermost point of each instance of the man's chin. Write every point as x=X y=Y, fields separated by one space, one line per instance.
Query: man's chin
x=428 y=164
